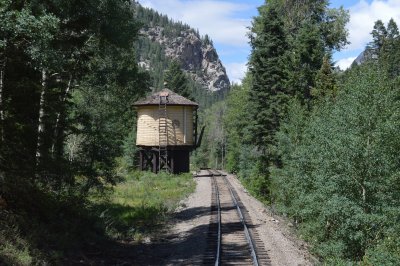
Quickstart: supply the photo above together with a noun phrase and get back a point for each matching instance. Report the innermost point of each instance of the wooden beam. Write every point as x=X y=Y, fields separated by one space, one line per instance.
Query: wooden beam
x=155 y=168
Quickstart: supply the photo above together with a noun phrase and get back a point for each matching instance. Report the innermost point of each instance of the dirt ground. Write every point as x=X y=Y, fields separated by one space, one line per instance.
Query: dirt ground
x=184 y=241
x=282 y=246
x=187 y=235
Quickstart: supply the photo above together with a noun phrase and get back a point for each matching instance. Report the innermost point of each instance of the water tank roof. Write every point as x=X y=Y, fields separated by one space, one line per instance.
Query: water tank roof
x=173 y=99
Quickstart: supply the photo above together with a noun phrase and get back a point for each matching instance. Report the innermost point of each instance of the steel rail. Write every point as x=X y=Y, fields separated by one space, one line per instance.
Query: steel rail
x=218 y=257
x=246 y=230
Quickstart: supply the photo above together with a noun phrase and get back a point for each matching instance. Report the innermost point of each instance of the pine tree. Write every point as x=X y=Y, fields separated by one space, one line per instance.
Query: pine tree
x=207 y=40
x=379 y=35
x=267 y=67
x=305 y=60
x=313 y=30
x=392 y=29
x=325 y=82
x=390 y=52
x=385 y=46
x=176 y=80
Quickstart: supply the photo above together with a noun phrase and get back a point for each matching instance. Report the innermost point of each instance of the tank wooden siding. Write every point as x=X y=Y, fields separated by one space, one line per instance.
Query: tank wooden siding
x=179 y=126
x=180 y=115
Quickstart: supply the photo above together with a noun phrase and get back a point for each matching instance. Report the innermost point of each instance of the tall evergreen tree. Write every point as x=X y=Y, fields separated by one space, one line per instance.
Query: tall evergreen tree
x=267 y=66
x=379 y=37
x=325 y=81
x=305 y=61
x=379 y=34
x=317 y=31
x=384 y=47
x=390 y=52
x=289 y=40
x=392 y=29
x=176 y=80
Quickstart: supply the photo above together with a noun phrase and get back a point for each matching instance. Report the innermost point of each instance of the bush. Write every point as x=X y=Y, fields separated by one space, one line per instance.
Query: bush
x=141 y=203
x=340 y=177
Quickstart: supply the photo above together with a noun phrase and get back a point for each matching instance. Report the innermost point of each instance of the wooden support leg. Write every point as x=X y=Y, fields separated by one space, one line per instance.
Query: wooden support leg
x=155 y=164
x=141 y=161
x=172 y=162
x=149 y=163
x=146 y=160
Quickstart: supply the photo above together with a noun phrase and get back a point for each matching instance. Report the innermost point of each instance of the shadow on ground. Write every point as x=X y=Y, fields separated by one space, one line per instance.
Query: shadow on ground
x=169 y=249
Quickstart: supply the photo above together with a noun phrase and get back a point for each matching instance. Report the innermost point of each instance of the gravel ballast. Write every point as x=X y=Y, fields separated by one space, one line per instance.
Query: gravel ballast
x=189 y=229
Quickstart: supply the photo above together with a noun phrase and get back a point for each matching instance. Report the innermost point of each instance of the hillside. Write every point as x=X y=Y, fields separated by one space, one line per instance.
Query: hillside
x=163 y=40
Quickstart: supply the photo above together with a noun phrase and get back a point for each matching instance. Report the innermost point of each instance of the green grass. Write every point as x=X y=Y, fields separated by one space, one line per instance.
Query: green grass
x=45 y=228
x=13 y=248
x=141 y=204
x=40 y=228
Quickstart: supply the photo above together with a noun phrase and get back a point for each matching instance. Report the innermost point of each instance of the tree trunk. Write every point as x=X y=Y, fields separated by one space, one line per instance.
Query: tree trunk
x=2 y=118
x=41 y=124
x=57 y=129
x=364 y=197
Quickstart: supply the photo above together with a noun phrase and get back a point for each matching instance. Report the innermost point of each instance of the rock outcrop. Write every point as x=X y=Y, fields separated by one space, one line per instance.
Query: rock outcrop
x=197 y=56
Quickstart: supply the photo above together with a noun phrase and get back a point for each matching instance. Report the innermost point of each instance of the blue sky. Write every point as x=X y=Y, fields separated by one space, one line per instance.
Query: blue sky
x=227 y=22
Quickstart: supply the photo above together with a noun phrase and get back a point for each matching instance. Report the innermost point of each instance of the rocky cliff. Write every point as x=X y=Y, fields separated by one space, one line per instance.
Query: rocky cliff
x=197 y=55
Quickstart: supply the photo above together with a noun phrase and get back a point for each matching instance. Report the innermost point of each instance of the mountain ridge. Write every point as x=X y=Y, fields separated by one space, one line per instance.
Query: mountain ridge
x=163 y=40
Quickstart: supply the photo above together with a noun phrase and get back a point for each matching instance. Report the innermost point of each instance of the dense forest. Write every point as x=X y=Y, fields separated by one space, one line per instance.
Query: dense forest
x=67 y=83
x=68 y=78
x=317 y=144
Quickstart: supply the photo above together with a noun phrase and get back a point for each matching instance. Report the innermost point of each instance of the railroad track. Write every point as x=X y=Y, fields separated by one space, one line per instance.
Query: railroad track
x=232 y=238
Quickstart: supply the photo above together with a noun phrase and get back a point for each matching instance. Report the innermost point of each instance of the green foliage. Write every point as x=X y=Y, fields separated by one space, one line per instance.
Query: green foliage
x=207 y=40
x=68 y=85
x=104 y=113
x=177 y=81
x=267 y=67
x=227 y=143
x=379 y=34
x=325 y=81
x=385 y=47
x=312 y=30
x=33 y=235
x=141 y=203
x=319 y=145
x=291 y=44
x=153 y=53
x=387 y=250
x=57 y=228
x=130 y=151
x=340 y=168
x=305 y=60
x=212 y=151
x=68 y=79
x=13 y=248
x=236 y=120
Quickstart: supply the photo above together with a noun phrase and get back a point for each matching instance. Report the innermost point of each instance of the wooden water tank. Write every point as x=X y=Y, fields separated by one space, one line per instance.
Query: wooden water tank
x=180 y=120
x=166 y=132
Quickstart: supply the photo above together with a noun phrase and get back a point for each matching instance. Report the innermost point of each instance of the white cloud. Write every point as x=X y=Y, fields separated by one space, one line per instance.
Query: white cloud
x=236 y=71
x=363 y=16
x=216 y=18
x=345 y=63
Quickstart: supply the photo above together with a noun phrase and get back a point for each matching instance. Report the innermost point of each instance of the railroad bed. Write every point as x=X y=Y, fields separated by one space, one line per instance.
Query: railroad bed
x=232 y=238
